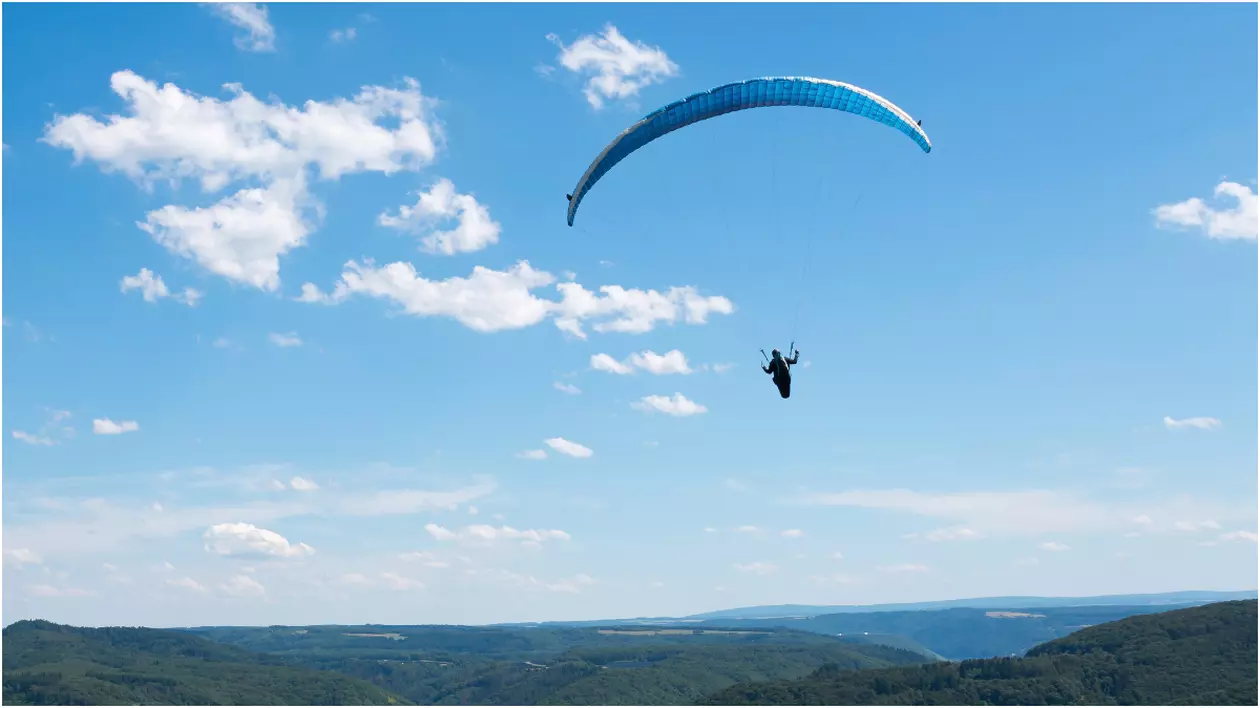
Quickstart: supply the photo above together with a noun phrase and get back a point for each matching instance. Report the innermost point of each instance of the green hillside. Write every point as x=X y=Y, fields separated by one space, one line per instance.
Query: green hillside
x=46 y=663
x=1197 y=656
x=671 y=674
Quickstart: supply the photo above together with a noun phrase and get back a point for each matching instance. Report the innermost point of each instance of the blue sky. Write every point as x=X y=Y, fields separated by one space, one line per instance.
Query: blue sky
x=295 y=331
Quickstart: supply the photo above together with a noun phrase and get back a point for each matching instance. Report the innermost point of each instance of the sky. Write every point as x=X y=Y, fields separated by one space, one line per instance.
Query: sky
x=295 y=331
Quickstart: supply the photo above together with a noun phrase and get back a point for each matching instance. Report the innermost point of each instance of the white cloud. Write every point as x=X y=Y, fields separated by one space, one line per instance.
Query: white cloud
x=288 y=339
x=247 y=540
x=53 y=591
x=425 y=558
x=953 y=534
x=259 y=35
x=1238 y=222
x=748 y=529
x=672 y=362
x=677 y=405
x=19 y=557
x=792 y=533
x=222 y=343
x=105 y=426
x=567 y=388
x=1239 y=536
x=186 y=583
x=837 y=556
x=722 y=368
x=343 y=35
x=616 y=67
x=568 y=447
x=756 y=568
x=474 y=229
x=33 y=439
x=243 y=586
x=604 y=362
x=1054 y=546
x=394 y=581
x=1199 y=423
x=172 y=135
x=490 y=300
x=903 y=568
x=532 y=455
x=1192 y=526
x=152 y=288
x=1027 y=513
x=481 y=534
x=1143 y=520
x=302 y=484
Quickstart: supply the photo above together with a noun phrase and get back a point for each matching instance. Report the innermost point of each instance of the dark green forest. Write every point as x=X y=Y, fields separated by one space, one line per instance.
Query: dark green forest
x=1201 y=655
x=1197 y=656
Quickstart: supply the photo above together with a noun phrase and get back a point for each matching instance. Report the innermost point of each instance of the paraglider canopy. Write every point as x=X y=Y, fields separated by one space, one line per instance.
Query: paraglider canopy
x=752 y=93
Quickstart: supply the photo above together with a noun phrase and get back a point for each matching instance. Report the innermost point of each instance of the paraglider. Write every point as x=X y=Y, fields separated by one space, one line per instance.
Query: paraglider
x=803 y=92
x=780 y=369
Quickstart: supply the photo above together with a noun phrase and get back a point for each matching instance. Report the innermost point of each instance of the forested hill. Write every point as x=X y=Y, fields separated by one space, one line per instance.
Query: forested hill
x=1198 y=656
x=46 y=663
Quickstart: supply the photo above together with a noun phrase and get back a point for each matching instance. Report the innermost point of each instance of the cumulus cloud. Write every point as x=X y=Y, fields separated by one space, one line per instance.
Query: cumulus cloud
x=247 y=540
x=792 y=533
x=1054 y=546
x=486 y=534
x=105 y=426
x=1239 y=536
x=170 y=135
x=1197 y=423
x=287 y=339
x=567 y=388
x=568 y=447
x=474 y=229
x=677 y=405
x=532 y=455
x=1238 y=222
x=152 y=288
x=491 y=300
x=672 y=362
x=257 y=34
x=615 y=67
x=756 y=568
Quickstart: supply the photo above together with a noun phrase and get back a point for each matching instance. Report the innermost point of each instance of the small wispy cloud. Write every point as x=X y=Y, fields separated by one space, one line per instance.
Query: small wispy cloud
x=671 y=362
x=903 y=568
x=338 y=36
x=568 y=447
x=792 y=533
x=288 y=339
x=1194 y=526
x=958 y=533
x=756 y=568
x=152 y=288
x=532 y=455
x=1054 y=546
x=1201 y=423
x=567 y=388
x=259 y=35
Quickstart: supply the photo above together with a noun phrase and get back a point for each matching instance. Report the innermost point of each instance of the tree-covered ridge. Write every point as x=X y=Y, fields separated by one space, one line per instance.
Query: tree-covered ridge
x=51 y=664
x=1197 y=656
x=671 y=674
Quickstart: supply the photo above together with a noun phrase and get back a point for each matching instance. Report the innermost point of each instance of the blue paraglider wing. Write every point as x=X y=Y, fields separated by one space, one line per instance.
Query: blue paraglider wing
x=752 y=93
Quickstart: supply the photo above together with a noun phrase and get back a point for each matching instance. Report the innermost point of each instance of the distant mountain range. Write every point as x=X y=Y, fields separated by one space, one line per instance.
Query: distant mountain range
x=1183 y=598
